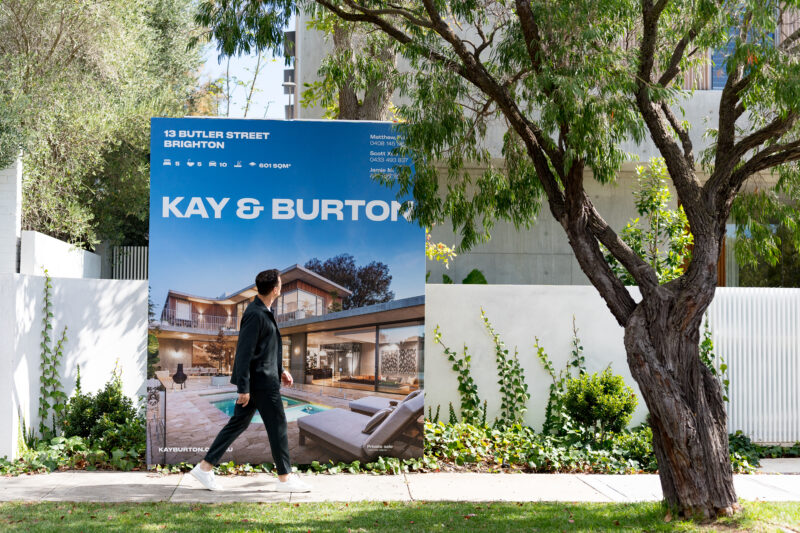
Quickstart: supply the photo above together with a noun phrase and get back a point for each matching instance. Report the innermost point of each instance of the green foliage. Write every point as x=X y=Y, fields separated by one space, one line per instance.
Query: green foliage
x=81 y=81
x=467 y=389
x=776 y=266
x=664 y=242
x=600 y=402
x=51 y=395
x=745 y=456
x=451 y=418
x=357 y=77
x=577 y=360
x=242 y=27
x=514 y=393
x=767 y=244
x=152 y=355
x=107 y=420
x=475 y=277
x=433 y=417
x=557 y=420
x=447 y=280
x=53 y=454
x=709 y=359
x=519 y=447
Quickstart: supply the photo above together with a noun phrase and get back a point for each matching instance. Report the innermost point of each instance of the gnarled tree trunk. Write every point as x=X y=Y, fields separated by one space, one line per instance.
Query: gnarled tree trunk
x=690 y=436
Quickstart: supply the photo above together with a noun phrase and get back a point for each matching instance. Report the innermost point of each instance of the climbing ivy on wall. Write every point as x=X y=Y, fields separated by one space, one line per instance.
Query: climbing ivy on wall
x=51 y=397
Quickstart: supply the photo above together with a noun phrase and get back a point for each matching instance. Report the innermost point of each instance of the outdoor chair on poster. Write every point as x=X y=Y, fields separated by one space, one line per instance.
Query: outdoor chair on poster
x=358 y=437
x=369 y=405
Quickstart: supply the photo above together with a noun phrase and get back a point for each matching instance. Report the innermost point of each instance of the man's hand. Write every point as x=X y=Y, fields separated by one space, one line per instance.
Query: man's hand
x=243 y=399
x=286 y=378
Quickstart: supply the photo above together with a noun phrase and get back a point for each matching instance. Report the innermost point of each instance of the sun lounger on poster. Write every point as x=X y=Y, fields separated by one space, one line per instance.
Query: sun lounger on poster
x=342 y=431
x=369 y=405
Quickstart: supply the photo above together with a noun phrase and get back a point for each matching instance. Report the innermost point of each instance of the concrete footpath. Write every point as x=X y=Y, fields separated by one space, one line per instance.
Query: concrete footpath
x=84 y=486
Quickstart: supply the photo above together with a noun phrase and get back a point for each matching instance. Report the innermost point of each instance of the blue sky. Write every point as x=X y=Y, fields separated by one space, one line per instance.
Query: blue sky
x=329 y=160
x=268 y=98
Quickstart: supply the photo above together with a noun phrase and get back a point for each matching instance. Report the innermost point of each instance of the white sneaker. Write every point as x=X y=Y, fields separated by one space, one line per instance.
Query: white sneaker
x=293 y=484
x=207 y=479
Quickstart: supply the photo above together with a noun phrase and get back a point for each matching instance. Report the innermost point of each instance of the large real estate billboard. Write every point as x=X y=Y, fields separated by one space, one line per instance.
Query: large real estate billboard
x=230 y=198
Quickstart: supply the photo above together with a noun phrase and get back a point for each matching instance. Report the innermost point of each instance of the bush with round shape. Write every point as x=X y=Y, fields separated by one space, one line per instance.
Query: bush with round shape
x=600 y=402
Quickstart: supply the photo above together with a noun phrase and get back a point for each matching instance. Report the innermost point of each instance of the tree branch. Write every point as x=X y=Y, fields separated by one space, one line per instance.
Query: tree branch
x=672 y=69
x=683 y=135
x=679 y=164
x=580 y=226
x=768 y=158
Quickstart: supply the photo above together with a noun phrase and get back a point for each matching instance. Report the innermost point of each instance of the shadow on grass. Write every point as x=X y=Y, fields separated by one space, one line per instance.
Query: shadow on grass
x=367 y=516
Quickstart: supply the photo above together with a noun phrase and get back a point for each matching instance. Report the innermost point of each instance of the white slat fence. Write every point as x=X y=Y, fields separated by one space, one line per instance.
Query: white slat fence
x=757 y=332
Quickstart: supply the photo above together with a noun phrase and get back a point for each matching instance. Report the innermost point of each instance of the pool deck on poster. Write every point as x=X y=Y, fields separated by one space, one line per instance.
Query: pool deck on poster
x=193 y=422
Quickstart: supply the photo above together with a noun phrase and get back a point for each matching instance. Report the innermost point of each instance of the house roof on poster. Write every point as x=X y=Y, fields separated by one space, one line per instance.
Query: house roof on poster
x=394 y=311
x=289 y=274
x=404 y=310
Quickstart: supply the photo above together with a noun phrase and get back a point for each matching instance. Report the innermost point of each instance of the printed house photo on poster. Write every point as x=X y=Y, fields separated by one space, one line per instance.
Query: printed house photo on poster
x=232 y=197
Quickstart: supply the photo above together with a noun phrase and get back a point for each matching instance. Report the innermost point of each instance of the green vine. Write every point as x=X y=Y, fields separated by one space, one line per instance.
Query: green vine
x=433 y=417
x=578 y=361
x=556 y=419
x=708 y=357
x=513 y=389
x=467 y=389
x=51 y=397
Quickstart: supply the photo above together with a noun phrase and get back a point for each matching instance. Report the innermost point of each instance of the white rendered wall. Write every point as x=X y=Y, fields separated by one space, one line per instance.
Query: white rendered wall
x=10 y=216
x=518 y=313
x=8 y=401
x=106 y=322
x=61 y=259
x=754 y=330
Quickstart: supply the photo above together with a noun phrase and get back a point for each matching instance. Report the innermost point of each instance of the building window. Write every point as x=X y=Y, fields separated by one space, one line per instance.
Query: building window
x=183 y=311
x=286 y=353
x=298 y=304
x=400 y=358
x=343 y=358
x=310 y=304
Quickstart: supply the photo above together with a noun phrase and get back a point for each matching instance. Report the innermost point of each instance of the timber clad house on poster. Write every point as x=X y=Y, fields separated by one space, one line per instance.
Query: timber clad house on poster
x=372 y=348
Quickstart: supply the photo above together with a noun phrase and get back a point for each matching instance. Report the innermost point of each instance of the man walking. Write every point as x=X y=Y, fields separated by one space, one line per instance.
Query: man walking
x=257 y=373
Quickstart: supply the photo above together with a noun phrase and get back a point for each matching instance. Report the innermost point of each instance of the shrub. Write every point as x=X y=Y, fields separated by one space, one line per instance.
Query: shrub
x=79 y=413
x=108 y=420
x=600 y=402
x=637 y=447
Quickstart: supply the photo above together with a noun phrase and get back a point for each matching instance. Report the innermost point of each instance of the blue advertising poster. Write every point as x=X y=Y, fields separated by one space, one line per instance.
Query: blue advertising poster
x=231 y=198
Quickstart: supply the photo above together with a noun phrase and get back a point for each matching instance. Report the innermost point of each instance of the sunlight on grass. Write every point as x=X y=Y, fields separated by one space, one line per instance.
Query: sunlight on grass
x=377 y=516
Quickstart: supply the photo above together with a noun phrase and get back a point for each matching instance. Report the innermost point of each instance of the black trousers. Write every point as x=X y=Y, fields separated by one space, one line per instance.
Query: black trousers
x=270 y=405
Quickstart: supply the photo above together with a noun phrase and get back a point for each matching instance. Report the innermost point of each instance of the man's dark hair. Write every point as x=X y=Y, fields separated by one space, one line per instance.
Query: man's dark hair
x=267 y=280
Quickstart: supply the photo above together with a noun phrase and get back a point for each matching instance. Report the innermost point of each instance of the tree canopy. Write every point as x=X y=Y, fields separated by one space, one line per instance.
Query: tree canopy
x=369 y=283
x=81 y=80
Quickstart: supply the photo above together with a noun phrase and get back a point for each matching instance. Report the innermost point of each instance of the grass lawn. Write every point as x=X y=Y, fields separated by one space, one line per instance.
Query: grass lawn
x=378 y=517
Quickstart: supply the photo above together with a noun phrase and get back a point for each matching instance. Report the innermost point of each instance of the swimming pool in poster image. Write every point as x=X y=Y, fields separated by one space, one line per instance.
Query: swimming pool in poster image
x=293 y=408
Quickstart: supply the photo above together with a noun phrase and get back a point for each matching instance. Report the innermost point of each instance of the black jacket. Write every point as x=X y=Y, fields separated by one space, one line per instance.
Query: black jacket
x=258 y=363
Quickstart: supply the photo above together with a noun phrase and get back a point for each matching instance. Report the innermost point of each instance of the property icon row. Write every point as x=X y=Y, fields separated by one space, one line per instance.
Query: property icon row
x=220 y=164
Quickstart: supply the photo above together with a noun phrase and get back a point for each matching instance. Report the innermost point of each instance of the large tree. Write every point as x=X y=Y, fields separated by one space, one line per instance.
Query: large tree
x=572 y=80
x=369 y=283
x=80 y=81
